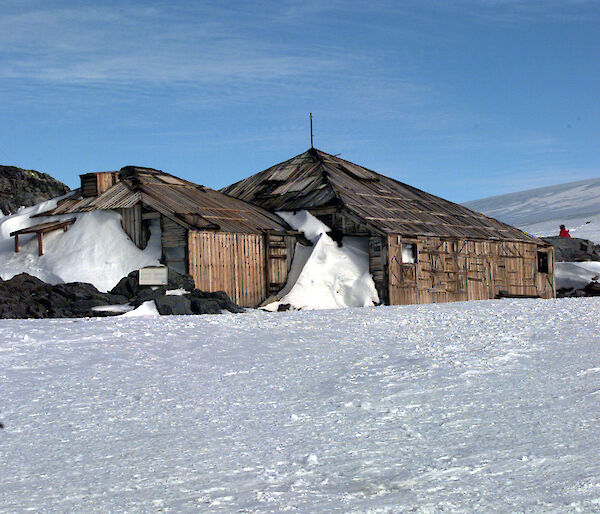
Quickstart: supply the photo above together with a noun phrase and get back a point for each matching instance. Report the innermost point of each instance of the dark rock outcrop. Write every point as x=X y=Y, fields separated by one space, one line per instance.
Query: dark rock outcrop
x=25 y=296
x=20 y=187
x=591 y=289
x=193 y=302
x=573 y=249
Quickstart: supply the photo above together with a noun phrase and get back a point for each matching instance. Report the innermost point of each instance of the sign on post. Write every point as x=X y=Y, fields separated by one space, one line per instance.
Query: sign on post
x=154 y=276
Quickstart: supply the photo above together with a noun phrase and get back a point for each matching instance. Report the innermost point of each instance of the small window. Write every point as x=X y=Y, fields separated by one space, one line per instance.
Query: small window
x=409 y=253
x=542 y=258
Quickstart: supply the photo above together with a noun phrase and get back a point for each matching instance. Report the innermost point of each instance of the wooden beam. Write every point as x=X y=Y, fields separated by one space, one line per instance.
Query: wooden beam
x=16 y=243
x=40 y=244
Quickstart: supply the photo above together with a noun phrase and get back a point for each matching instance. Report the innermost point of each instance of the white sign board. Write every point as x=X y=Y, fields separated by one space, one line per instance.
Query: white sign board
x=154 y=276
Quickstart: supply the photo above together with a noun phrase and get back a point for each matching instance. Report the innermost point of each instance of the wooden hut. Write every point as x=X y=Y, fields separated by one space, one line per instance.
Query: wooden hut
x=422 y=248
x=224 y=243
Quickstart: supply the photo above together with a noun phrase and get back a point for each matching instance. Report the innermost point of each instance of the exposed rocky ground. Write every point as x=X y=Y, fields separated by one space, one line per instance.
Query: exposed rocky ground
x=19 y=187
x=193 y=301
x=25 y=296
x=573 y=249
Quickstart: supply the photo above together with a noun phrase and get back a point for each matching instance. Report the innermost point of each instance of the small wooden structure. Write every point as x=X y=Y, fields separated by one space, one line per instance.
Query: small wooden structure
x=422 y=248
x=224 y=243
x=40 y=230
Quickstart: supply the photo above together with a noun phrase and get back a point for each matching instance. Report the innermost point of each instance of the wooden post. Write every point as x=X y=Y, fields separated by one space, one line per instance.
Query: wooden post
x=40 y=244
x=16 y=243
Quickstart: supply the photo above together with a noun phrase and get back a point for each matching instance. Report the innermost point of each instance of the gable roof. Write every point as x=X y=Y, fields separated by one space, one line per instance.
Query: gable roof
x=190 y=205
x=316 y=179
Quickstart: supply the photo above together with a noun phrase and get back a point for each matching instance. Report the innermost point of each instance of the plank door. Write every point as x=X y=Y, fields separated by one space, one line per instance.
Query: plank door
x=230 y=262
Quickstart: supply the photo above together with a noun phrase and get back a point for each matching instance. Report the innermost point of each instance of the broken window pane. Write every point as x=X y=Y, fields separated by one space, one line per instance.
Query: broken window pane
x=409 y=253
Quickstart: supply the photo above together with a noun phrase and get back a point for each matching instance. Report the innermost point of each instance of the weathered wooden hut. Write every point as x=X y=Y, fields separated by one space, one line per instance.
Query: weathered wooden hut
x=224 y=243
x=422 y=248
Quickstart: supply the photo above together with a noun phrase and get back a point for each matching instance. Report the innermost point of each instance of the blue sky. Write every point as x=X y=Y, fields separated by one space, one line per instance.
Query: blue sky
x=464 y=99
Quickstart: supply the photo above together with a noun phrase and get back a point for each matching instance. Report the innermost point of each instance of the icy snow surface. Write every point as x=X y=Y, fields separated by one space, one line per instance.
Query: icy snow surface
x=326 y=276
x=476 y=407
x=94 y=249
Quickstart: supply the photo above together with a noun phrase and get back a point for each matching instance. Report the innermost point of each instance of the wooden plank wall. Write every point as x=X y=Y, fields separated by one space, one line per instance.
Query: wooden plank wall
x=105 y=181
x=280 y=254
x=378 y=266
x=89 y=185
x=458 y=270
x=174 y=241
x=131 y=221
x=230 y=262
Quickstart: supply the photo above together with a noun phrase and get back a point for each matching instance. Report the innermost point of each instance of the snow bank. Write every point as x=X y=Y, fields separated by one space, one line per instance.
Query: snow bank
x=576 y=275
x=326 y=276
x=146 y=309
x=95 y=249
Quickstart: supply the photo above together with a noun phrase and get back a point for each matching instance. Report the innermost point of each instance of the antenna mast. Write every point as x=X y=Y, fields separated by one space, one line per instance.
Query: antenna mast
x=311 y=132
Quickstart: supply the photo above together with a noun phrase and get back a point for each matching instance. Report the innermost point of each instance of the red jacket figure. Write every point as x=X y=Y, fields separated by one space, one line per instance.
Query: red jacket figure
x=564 y=232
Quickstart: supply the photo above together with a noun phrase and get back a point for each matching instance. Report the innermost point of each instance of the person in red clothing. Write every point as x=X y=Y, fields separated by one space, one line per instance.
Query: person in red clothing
x=564 y=232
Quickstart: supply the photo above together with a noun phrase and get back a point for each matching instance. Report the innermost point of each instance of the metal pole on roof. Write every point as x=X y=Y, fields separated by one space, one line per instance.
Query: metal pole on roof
x=311 y=132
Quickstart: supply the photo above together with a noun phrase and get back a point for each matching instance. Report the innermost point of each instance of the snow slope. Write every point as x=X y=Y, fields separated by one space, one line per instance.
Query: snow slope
x=326 y=276
x=472 y=407
x=95 y=249
x=541 y=211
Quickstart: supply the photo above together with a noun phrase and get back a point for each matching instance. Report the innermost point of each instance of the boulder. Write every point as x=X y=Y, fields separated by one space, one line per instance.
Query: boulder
x=178 y=305
x=221 y=297
x=205 y=306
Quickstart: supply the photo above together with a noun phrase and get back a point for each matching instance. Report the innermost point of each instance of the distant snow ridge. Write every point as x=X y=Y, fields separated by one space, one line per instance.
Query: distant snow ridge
x=95 y=249
x=326 y=276
x=541 y=211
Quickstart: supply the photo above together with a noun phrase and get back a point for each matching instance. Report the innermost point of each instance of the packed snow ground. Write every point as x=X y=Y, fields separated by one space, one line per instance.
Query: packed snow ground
x=476 y=406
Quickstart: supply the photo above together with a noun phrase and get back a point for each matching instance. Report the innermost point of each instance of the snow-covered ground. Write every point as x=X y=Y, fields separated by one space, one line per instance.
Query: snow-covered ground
x=476 y=407
x=541 y=211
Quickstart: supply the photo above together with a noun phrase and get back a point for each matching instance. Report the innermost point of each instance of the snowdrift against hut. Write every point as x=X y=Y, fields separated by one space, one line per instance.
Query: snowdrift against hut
x=326 y=276
x=95 y=249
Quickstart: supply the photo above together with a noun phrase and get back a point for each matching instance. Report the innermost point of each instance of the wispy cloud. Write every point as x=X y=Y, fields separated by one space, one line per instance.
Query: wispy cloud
x=518 y=11
x=104 y=45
